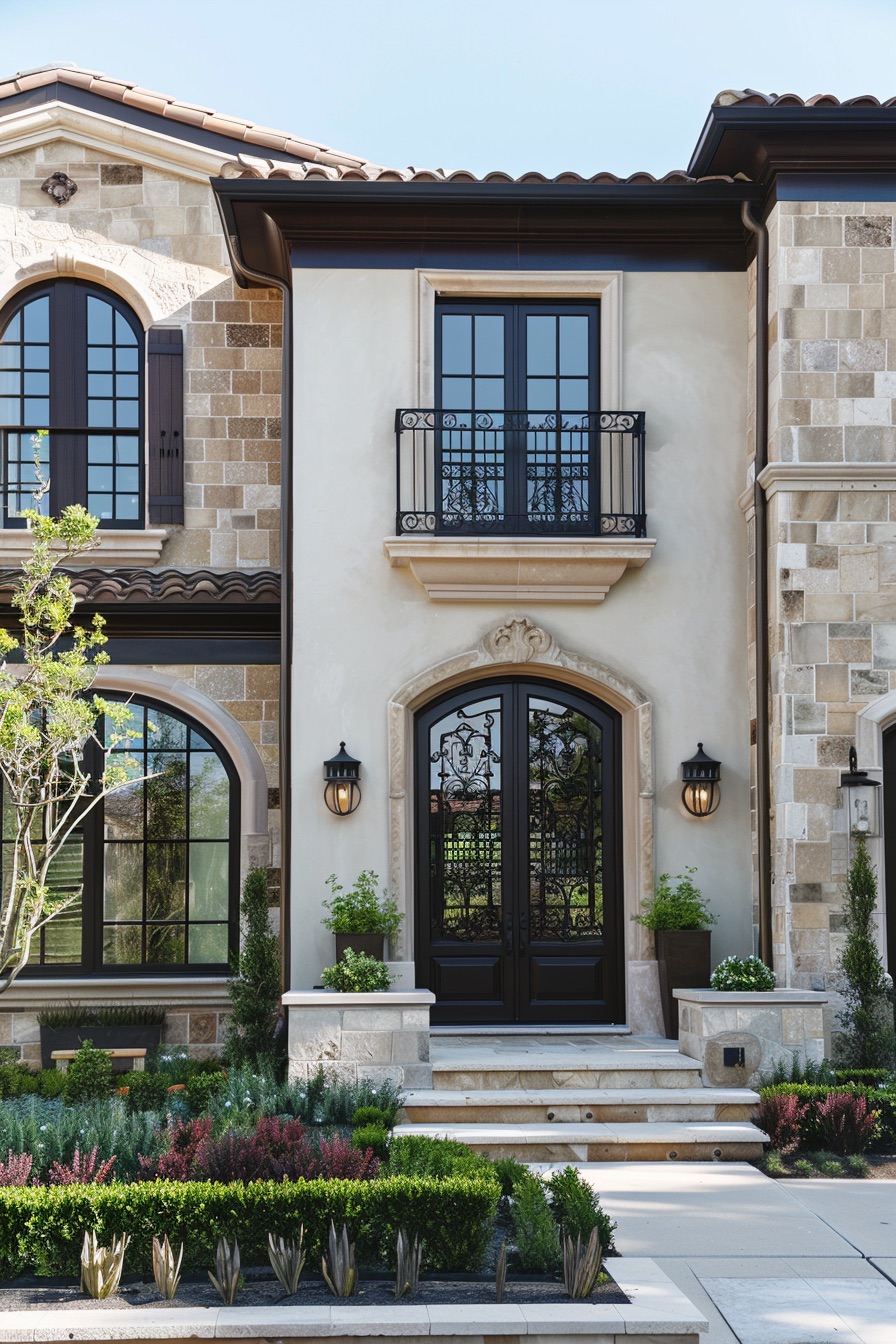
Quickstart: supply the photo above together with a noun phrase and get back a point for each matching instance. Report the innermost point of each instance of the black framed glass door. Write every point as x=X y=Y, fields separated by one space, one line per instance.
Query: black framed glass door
x=517 y=416
x=518 y=855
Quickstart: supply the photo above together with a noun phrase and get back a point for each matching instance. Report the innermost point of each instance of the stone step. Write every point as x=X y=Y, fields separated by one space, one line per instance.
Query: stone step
x=531 y=1074
x=562 y=1105
x=617 y=1142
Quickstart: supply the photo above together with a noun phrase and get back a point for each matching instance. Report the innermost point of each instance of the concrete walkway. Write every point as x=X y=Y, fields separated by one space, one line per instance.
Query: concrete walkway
x=768 y=1262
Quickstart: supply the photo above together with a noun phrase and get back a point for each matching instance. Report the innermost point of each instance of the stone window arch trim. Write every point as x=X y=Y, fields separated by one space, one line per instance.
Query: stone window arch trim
x=180 y=695
x=519 y=647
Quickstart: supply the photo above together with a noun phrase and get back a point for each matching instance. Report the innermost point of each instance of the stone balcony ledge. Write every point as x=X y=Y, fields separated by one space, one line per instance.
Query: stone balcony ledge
x=720 y=997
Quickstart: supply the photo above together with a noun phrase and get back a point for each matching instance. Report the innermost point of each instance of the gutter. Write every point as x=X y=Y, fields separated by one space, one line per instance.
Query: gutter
x=761 y=601
x=247 y=278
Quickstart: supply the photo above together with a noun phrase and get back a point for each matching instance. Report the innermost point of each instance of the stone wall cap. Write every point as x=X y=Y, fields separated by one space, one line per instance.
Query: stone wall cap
x=328 y=998
x=769 y=996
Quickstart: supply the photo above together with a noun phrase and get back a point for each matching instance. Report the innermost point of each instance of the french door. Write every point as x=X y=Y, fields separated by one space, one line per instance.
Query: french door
x=517 y=442
x=518 y=855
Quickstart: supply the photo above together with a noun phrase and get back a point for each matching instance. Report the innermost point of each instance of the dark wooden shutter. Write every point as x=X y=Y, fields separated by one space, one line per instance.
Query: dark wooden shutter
x=165 y=415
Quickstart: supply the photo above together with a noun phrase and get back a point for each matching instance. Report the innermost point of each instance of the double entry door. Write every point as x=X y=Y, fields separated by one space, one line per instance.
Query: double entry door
x=518 y=855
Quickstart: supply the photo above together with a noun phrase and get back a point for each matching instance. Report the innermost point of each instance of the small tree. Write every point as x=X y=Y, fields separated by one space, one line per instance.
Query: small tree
x=46 y=720
x=255 y=987
x=867 y=1039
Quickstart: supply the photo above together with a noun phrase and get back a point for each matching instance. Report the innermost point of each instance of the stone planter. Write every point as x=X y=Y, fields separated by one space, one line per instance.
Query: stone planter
x=371 y=943
x=376 y=1036
x=772 y=1027
x=104 y=1038
x=683 y=959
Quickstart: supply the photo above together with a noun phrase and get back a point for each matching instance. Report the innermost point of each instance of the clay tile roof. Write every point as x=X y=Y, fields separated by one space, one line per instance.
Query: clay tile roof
x=248 y=165
x=752 y=98
x=190 y=114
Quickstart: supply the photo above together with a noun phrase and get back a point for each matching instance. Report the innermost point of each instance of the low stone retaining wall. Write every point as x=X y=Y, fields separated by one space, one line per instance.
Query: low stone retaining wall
x=196 y=1009
x=377 y=1036
x=776 y=1027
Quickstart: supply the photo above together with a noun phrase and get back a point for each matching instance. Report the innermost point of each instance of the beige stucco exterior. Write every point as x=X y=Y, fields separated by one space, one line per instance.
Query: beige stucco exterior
x=675 y=628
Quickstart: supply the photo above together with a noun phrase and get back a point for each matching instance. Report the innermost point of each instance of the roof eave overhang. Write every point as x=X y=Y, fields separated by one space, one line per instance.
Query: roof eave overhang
x=762 y=142
x=645 y=215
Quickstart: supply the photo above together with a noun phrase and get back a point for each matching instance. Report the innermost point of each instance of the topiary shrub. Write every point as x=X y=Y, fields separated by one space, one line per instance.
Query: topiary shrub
x=357 y=973
x=255 y=988
x=88 y=1076
x=743 y=974
x=576 y=1208
x=867 y=1038
x=535 y=1231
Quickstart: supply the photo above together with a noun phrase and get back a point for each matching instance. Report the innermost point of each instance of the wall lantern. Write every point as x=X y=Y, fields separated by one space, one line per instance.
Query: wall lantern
x=861 y=797
x=342 y=791
x=700 y=777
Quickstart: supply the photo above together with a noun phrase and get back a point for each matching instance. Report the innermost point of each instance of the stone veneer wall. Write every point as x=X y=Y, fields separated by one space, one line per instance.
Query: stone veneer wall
x=832 y=535
x=160 y=231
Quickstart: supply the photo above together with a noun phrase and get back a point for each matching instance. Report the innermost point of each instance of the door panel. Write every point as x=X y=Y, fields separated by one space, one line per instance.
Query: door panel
x=518 y=875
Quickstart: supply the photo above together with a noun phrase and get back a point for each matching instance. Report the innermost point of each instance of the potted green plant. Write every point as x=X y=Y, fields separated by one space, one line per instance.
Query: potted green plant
x=360 y=917
x=681 y=924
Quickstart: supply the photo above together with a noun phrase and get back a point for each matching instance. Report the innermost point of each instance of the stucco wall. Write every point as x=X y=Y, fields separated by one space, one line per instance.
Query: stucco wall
x=676 y=628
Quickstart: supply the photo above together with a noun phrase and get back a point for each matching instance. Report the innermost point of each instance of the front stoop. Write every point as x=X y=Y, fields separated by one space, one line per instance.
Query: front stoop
x=597 y=1099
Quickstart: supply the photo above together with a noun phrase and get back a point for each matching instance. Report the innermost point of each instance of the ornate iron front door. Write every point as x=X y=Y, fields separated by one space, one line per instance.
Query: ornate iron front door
x=518 y=868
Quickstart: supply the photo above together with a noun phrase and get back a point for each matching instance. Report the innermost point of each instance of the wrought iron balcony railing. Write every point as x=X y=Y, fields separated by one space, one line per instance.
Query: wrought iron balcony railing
x=520 y=473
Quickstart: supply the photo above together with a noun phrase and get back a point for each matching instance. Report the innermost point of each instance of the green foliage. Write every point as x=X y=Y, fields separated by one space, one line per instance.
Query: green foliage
x=866 y=1077
x=110 y=1015
x=146 y=1091
x=46 y=719
x=50 y=1083
x=743 y=973
x=374 y=1137
x=16 y=1081
x=357 y=973
x=41 y=1228
x=88 y=1076
x=373 y=1115
x=576 y=1208
x=361 y=909
x=867 y=1038
x=422 y=1155
x=201 y=1088
x=510 y=1173
x=773 y=1164
x=534 y=1228
x=882 y=1101
x=255 y=988
x=799 y=1071
x=678 y=906
x=856 y=1165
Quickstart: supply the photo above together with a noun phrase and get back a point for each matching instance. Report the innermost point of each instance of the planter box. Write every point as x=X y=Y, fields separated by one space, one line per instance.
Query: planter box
x=377 y=1036
x=683 y=959
x=104 y=1038
x=371 y=943
x=771 y=1027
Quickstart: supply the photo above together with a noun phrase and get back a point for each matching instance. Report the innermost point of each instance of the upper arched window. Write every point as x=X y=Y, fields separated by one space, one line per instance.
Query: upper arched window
x=73 y=361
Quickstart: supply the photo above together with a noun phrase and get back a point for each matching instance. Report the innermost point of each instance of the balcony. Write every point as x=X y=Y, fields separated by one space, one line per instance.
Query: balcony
x=519 y=504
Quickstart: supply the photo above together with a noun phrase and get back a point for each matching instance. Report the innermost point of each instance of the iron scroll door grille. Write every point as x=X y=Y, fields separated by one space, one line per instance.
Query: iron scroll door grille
x=516 y=430
x=518 y=856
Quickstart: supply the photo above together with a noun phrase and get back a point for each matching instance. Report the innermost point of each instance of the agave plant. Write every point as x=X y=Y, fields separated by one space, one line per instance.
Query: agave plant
x=165 y=1267
x=101 y=1266
x=339 y=1268
x=581 y=1267
x=408 y=1255
x=287 y=1259
x=227 y=1265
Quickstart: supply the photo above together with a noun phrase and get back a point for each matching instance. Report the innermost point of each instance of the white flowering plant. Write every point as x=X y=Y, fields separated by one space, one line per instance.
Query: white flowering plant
x=743 y=973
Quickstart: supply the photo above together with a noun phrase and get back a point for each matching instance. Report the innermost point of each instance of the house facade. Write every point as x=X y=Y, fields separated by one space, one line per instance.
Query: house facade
x=575 y=475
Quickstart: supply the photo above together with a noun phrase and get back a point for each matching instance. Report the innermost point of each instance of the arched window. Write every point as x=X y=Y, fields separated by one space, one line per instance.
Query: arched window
x=75 y=361
x=159 y=864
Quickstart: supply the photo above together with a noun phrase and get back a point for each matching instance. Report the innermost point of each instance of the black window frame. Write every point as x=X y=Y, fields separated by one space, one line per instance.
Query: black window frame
x=93 y=897
x=68 y=428
x=515 y=454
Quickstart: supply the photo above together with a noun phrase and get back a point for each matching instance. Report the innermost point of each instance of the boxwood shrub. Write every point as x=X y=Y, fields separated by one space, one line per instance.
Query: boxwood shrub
x=42 y=1228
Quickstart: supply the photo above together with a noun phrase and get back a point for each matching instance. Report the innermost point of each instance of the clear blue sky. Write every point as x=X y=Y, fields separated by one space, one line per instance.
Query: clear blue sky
x=512 y=84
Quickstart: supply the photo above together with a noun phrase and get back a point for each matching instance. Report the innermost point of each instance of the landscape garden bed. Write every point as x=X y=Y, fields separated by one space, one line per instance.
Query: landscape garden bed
x=830 y=1123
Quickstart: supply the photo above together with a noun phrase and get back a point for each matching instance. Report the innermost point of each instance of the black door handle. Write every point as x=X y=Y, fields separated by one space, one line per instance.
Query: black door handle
x=524 y=930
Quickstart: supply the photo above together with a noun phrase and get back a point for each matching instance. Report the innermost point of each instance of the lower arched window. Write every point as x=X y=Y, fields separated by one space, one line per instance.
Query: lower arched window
x=158 y=864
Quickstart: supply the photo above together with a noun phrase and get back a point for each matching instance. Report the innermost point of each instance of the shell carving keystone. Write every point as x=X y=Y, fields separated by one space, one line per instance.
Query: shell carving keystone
x=518 y=641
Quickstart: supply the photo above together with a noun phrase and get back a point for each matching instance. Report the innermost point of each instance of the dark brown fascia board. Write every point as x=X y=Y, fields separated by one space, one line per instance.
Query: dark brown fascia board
x=262 y=216
x=763 y=141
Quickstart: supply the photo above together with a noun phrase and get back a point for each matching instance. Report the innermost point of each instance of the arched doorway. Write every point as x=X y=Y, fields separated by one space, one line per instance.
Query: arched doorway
x=518 y=854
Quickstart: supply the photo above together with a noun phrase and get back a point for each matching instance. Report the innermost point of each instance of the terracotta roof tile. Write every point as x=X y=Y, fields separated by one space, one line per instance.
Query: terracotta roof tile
x=753 y=98
x=190 y=114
